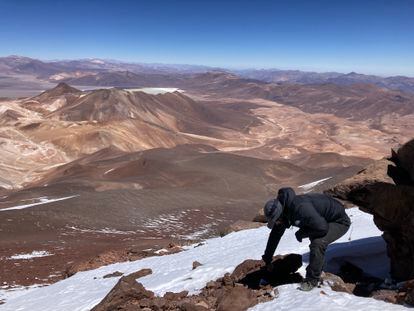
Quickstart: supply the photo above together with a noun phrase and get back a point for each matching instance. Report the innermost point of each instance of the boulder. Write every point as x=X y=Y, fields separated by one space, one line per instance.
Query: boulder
x=337 y=284
x=236 y=299
x=125 y=293
x=385 y=189
x=196 y=264
x=357 y=189
x=386 y=295
x=246 y=267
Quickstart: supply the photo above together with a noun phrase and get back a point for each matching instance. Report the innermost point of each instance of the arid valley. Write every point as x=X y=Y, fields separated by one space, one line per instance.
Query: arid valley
x=144 y=161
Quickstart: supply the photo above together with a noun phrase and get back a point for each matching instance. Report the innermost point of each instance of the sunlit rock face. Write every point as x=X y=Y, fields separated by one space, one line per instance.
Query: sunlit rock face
x=386 y=190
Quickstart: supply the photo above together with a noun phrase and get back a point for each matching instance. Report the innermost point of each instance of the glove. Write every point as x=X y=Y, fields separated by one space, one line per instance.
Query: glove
x=298 y=236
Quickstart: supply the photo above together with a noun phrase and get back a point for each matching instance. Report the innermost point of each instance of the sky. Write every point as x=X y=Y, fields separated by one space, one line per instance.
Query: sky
x=367 y=36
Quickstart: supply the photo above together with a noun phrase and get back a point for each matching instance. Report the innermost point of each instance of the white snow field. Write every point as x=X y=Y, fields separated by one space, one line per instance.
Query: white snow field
x=362 y=245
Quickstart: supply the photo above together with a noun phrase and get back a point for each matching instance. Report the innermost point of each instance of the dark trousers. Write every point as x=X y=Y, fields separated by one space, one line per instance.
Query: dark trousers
x=318 y=247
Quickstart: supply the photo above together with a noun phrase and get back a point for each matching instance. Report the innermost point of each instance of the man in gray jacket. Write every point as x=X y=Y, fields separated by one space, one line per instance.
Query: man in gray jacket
x=319 y=217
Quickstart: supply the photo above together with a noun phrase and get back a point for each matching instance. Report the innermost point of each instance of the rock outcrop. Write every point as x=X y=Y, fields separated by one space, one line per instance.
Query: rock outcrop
x=126 y=290
x=238 y=291
x=386 y=190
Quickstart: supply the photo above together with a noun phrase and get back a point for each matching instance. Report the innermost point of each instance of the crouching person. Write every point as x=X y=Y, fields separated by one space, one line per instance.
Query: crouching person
x=319 y=217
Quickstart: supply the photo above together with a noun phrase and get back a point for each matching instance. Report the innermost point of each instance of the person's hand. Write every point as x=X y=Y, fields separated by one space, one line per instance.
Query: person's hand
x=298 y=236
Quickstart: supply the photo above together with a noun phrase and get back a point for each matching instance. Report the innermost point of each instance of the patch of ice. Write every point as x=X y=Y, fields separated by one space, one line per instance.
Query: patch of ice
x=108 y=171
x=34 y=254
x=42 y=200
x=309 y=186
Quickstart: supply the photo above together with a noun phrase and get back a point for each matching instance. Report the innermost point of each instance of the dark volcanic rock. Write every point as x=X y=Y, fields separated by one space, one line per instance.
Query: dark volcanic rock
x=391 y=201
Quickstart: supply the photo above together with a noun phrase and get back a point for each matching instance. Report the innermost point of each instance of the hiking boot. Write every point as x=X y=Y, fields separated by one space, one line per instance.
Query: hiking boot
x=308 y=285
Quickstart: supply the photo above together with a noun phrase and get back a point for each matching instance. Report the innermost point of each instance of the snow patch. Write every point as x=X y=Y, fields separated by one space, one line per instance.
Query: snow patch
x=42 y=200
x=108 y=171
x=174 y=272
x=34 y=254
x=308 y=187
x=103 y=231
x=321 y=299
x=161 y=251
x=155 y=90
x=97 y=61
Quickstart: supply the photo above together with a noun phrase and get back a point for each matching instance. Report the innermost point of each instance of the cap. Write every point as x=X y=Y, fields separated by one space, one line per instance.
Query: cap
x=272 y=211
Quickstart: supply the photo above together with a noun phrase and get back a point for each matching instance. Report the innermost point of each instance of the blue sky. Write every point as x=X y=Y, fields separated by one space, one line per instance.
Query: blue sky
x=368 y=36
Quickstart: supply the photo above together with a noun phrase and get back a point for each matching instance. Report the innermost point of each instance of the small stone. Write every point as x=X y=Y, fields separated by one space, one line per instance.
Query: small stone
x=202 y=304
x=211 y=284
x=196 y=264
x=409 y=298
x=175 y=296
x=112 y=275
x=227 y=280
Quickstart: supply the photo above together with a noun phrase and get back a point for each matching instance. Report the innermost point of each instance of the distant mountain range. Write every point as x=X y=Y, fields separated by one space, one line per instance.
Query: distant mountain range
x=401 y=83
x=25 y=72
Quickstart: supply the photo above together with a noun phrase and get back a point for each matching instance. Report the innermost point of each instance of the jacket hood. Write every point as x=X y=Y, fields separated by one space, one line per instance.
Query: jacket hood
x=286 y=196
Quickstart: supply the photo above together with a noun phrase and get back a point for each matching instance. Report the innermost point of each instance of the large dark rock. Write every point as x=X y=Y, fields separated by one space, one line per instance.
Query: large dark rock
x=236 y=299
x=386 y=190
x=127 y=290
